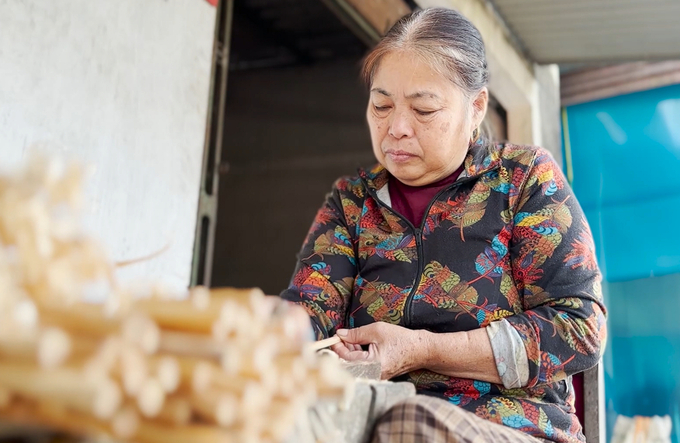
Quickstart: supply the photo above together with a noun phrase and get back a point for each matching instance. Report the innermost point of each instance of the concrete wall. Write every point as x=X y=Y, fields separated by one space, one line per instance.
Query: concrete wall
x=122 y=86
x=290 y=133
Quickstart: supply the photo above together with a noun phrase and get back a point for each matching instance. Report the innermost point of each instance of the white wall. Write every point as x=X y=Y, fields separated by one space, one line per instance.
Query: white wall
x=123 y=86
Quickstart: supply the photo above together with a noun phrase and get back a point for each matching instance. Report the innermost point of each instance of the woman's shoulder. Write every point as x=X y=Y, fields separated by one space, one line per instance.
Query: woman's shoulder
x=527 y=156
x=356 y=186
x=350 y=186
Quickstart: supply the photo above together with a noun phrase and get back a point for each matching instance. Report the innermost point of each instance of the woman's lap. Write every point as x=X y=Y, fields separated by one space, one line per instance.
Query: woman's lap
x=429 y=419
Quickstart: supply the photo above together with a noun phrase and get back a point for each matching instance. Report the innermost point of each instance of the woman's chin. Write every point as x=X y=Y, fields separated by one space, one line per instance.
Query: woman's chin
x=403 y=173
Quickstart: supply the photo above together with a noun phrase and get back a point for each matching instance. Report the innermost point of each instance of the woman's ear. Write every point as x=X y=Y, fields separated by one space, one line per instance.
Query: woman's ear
x=479 y=106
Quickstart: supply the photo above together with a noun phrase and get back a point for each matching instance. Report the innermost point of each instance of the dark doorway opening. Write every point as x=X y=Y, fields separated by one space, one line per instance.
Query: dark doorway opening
x=294 y=122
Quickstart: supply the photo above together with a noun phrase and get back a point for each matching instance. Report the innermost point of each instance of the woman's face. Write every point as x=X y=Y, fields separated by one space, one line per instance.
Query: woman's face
x=421 y=123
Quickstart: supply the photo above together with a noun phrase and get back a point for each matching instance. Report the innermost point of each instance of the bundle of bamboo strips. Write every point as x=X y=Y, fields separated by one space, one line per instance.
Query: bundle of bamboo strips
x=220 y=365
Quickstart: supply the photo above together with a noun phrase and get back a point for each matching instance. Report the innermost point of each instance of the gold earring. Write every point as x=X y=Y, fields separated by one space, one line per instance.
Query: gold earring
x=475 y=136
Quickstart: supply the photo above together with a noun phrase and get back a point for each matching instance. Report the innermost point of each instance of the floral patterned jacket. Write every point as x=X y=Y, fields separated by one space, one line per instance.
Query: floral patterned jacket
x=506 y=248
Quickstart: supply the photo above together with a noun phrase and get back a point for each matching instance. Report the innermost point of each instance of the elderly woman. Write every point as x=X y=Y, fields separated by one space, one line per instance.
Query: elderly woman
x=464 y=267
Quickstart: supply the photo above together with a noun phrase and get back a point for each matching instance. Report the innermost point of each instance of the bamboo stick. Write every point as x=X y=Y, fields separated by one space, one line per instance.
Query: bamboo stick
x=231 y=359
x=200 y=297
x=6 y=397
x=217 y=407
x=180 y=315
x=151 y=398
x=63 y=386
x=140 y=329
x=253 y=396
x=54 y=347
x=166 y=369
x=325 y=343
x=81 y=318
x=186 y=373
x=207 y=375
x=146 y=432
x=83 y=346
x=237 y=365
x=292 y=366
x=198 y=315
x=282 y=417
x=189 y=345
x=176 y=411
x=105 y=359
x=125 y=422
x=155 y=433
x=50 y=347
x=239 y=319
x=55 y=417
x=252 y=298
x=132 y=370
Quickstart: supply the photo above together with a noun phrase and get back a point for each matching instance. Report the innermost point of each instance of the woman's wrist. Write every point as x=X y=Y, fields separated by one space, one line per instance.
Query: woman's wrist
x=423 y=349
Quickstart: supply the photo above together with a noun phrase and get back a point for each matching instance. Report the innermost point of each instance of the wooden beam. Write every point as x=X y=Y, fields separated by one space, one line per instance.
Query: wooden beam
x=369 y=19
x=381 y=14
x=599 y=83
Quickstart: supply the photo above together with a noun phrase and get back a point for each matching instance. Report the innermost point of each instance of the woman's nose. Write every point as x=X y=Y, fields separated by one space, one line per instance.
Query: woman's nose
x=400 y=126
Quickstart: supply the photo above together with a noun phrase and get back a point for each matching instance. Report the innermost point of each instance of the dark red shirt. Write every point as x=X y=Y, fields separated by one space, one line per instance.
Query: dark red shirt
x=412 y=201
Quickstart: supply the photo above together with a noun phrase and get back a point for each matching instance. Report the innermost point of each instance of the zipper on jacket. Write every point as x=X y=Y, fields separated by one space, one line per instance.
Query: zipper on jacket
x=418 y=233
x=408 y=313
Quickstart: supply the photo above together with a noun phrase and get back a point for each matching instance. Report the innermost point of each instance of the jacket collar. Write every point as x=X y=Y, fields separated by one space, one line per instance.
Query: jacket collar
x=478 y=161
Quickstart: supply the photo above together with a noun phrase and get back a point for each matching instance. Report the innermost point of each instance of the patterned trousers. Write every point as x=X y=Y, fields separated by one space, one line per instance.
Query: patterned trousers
x=425 y=419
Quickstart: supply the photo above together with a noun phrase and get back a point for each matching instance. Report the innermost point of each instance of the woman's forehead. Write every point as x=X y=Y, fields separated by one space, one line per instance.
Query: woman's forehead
x=410 y=96
x=404 y=74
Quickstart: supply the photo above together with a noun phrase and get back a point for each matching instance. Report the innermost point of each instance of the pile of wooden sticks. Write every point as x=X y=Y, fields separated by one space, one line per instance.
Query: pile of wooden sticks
x=224 y=365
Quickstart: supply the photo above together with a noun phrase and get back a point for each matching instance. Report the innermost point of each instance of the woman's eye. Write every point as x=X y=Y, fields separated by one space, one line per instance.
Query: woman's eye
x=381 y=108
x=424 y=113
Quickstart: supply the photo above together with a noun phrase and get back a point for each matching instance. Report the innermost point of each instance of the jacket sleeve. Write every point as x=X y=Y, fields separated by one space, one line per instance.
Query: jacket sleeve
x=562 y=330
x=324 y=276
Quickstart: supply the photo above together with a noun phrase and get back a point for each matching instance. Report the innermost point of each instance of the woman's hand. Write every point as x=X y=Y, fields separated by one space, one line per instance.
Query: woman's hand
x=398 y=349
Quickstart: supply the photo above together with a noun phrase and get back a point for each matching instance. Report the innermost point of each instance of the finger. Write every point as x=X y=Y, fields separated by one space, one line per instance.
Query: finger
x=353 y=347
x=348 y=354
x=355 y=356
x=344 y=349
x=340 y=347
x=362 y=336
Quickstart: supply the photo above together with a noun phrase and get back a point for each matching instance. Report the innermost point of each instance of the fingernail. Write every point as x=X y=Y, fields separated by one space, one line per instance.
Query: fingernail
x=341 y=332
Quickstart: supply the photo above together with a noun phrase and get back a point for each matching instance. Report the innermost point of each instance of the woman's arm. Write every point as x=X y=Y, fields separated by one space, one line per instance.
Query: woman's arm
x=401 y=350
x=461 y=354
x=557 y=284
x=326 y=267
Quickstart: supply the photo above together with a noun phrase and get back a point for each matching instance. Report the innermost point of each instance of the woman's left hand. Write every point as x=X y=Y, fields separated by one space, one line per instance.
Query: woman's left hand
x=398 y=349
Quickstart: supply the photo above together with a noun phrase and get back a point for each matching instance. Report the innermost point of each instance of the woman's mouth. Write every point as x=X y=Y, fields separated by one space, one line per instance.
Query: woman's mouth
x=398 y=156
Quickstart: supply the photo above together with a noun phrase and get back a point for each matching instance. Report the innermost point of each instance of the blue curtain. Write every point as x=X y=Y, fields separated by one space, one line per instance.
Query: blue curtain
x=623 y=157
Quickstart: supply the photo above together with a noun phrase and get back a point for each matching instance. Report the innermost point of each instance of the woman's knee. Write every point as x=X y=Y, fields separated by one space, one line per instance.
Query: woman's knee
x=415 y=416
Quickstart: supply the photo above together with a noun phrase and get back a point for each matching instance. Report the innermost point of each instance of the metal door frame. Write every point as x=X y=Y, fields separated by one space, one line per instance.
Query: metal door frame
x=206 y=221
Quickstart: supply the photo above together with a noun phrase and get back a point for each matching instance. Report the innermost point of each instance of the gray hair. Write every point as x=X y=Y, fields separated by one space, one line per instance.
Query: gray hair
x=445 y=39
